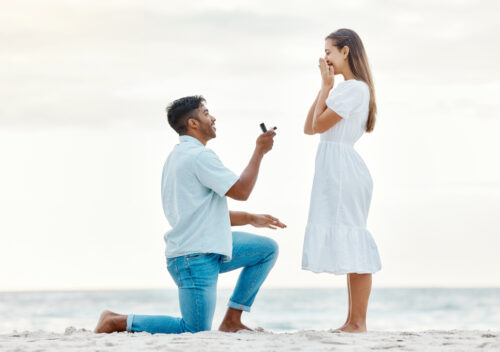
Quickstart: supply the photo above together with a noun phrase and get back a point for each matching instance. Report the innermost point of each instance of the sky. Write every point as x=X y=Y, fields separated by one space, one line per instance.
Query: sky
x=83 y=133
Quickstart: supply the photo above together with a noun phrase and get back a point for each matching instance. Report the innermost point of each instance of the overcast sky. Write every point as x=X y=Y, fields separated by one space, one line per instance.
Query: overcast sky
x=83 y=134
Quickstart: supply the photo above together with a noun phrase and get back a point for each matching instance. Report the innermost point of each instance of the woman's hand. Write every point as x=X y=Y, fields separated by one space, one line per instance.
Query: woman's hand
x=327 y=75
x=265 y=220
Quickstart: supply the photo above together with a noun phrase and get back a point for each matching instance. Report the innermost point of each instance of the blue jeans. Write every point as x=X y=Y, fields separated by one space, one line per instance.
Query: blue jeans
x=196 y=277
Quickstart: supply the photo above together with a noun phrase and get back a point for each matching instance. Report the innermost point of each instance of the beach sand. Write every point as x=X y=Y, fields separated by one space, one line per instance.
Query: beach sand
x=84 y=340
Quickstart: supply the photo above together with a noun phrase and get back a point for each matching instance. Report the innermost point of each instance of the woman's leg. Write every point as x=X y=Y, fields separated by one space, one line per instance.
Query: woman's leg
x=348 y=303
x=349 y=307
x=360 y=287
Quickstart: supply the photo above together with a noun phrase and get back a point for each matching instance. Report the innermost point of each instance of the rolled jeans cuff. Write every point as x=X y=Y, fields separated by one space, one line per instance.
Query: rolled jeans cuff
x=130 y=318
x=238 y=306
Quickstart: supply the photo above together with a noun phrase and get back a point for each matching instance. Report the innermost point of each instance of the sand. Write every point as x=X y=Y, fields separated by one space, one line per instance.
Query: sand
x=84 y=340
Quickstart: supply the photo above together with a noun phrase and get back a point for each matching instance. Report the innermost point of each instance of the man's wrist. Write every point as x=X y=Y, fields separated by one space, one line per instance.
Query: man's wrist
x=259 y=153
x=249 y=217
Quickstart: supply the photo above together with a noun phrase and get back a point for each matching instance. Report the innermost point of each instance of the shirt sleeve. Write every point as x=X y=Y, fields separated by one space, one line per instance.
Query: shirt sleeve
x=345 y=99
x=213 y=174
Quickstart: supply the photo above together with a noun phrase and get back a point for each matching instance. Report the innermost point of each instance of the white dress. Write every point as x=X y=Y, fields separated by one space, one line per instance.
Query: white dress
x=336 y=239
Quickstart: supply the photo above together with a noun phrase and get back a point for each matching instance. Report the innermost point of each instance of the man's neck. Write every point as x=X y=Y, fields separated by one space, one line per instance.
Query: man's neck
x=196 y=136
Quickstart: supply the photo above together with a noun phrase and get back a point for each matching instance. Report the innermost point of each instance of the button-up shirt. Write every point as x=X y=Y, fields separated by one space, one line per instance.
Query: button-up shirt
x=194 y=184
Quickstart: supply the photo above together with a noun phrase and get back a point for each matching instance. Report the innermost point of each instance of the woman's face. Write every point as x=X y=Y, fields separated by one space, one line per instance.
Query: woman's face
x=334 y=57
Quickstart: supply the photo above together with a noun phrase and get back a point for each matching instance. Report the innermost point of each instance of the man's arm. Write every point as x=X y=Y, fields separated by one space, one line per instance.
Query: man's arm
x=240 y=218
x=243 y=187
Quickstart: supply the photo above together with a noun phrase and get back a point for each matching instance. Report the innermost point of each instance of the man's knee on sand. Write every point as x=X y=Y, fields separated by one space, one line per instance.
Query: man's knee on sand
x=203 y=324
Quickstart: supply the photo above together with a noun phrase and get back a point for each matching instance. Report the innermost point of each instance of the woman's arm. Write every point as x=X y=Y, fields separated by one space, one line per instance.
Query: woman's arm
x=308 y=128
x=324 y=118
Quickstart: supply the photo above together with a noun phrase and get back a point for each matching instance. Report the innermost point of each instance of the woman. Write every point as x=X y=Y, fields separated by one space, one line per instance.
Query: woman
x=336 y=240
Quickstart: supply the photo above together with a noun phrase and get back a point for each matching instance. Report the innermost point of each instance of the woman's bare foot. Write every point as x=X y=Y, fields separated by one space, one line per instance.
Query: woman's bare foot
x=338 y=329
x=111 y=322
x=354 y=327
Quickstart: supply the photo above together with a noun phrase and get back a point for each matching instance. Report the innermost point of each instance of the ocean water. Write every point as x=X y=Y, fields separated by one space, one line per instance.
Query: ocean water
x=274 y=309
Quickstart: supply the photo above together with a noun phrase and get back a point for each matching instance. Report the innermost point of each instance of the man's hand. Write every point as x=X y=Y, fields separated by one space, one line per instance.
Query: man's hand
x=243 y=187
x=265 y=220
x=265 y=141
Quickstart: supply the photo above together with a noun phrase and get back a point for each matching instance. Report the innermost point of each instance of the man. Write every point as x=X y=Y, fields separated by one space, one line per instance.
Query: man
x=200 y=244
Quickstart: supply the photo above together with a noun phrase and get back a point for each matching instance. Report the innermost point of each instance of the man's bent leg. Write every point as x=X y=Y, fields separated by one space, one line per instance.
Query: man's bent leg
x=257 y=255
x=112 y=322
x=196 y=276
x=155 y=324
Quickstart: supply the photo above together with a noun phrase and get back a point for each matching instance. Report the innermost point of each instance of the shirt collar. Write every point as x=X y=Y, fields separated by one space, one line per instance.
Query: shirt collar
x=185 y=138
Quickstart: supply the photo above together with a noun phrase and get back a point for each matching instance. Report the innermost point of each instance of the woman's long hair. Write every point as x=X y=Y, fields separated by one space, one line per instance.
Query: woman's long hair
x=358 y=63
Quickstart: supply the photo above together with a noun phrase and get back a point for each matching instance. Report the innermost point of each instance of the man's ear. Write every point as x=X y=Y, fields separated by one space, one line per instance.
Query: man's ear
x=193 y=124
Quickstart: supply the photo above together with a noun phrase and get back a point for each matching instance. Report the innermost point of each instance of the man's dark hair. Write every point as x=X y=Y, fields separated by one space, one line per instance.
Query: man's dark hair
x=181 y=110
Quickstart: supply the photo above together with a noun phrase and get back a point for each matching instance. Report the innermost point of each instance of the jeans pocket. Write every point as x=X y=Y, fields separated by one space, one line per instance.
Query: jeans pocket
x=174 y=271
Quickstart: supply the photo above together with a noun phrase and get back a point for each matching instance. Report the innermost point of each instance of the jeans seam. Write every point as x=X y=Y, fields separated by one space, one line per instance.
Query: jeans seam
x=247 y=254
x=177 y=272
x=255 y=276
x=195 y=295
x=251 y=285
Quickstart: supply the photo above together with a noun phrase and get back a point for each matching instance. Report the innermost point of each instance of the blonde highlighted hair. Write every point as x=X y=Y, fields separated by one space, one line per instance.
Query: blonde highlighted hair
x=358 y=62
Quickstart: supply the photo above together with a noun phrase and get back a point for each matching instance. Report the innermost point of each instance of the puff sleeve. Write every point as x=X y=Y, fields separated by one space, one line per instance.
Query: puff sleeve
x=346 y=98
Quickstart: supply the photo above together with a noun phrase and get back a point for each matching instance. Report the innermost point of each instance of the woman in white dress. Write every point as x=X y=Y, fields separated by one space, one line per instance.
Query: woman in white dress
x=336 y=239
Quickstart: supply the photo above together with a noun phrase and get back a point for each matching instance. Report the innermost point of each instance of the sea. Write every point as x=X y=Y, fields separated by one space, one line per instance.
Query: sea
x=278 y=310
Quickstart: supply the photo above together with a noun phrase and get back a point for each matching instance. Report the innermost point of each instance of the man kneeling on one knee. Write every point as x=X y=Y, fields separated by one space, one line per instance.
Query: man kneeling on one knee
x=200 y=244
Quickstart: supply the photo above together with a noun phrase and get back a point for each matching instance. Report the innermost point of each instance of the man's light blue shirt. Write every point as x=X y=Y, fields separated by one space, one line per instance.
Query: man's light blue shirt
x=194 y=184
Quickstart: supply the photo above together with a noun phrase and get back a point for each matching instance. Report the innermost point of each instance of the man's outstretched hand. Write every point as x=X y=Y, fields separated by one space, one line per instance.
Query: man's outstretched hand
x=265 y=220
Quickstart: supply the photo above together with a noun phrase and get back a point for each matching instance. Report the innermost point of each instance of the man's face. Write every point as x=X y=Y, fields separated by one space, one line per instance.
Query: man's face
x=207 y=122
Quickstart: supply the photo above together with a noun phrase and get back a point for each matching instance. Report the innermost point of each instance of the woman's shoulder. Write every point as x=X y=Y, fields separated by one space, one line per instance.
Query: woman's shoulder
x=358 y=88
x=352 y=86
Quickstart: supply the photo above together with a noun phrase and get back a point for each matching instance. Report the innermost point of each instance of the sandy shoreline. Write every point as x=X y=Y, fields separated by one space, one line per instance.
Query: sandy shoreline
x=84 y=340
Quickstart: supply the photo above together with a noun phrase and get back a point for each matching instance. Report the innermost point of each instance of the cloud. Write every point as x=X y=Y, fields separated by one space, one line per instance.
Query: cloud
x=91 y=63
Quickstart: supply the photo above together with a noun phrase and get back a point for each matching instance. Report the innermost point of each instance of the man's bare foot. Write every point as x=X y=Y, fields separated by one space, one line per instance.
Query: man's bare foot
x=232 y=327
x=232 y=321
x=111 y=322
x=354 y=327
